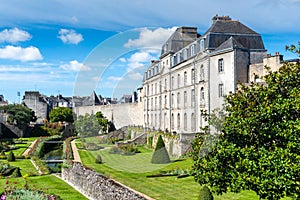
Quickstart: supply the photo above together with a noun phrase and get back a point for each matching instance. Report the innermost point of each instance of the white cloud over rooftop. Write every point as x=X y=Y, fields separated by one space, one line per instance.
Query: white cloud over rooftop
x=151 y=38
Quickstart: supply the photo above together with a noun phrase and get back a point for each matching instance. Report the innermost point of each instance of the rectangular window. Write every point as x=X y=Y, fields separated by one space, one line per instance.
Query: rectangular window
x=185 y=78
x=178 y=80
x=221 y=90
x=221 y=65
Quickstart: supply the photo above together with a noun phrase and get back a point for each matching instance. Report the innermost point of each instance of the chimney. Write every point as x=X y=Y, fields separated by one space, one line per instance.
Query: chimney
x=223 y=18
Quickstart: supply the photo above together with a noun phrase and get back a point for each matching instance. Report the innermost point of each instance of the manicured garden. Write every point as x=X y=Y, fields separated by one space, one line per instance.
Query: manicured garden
x=49 y=184
x=132 y=170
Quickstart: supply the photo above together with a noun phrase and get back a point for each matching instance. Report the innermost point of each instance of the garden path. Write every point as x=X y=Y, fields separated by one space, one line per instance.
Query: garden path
x=75 y=152
x=29 y=148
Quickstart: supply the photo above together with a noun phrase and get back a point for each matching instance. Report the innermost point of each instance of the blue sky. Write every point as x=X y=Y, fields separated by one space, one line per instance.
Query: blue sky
x=73 y=47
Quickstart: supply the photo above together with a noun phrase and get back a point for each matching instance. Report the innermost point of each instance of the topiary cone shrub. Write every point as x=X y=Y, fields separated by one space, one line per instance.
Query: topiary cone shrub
x=205 y=194
x=11 y=157
x=99 y=159
x=160 y=155
x=16 y=173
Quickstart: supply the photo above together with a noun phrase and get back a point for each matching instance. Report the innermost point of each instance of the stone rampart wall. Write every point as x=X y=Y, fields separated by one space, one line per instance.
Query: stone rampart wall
x=97 y=186
x=125 y=114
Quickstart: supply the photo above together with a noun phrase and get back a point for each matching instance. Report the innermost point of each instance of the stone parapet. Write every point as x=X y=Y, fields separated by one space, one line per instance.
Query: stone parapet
x=97 y=186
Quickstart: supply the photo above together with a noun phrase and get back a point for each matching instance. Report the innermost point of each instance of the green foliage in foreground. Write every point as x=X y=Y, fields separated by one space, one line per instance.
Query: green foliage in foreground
x=259 y=146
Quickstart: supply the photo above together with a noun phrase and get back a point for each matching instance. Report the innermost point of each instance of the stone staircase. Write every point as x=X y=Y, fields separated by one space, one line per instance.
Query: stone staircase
x=10 y=131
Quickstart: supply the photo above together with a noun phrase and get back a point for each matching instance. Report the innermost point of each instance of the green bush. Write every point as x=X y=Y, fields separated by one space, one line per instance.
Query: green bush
x=25 y=194
x=99 y=159
x=160 y=155
x=124 y=149
x=11 y=157
x=2 y=153
x=16 y=173
x=205 y=194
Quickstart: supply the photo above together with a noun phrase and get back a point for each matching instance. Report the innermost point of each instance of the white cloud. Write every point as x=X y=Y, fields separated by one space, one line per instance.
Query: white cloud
x=151 y=38
x=135 y=76
x=69 y=36
x=122 y=60
x=114 y=78
x=139 y=60
x=74 y=65
x=18 y=53
x=14 y=35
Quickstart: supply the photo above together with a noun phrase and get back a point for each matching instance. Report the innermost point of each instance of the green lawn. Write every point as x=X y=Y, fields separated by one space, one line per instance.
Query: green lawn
x=132 y=171
x=49 y=184
x=26 y=167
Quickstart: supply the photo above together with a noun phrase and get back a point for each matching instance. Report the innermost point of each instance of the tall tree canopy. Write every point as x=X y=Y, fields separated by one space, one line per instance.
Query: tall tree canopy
x=61 y=114
x=18 y=114
x=89 y=125
x=258 y=148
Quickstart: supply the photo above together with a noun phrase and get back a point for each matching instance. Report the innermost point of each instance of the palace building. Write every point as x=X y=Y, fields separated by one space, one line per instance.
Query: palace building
x=195 y=71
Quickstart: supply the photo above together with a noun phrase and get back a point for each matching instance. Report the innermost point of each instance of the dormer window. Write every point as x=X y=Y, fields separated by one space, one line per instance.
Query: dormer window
x=192 y=50
x=202 y=45
x=178 y=57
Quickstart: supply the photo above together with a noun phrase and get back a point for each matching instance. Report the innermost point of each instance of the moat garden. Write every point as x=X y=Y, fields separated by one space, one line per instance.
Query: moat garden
x=128 y=165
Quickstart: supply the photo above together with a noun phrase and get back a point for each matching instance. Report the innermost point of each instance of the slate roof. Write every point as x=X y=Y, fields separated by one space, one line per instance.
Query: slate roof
x=87 y=101
x=229 y=26
x=222 y=30
x=179 y=39
x=231 y=43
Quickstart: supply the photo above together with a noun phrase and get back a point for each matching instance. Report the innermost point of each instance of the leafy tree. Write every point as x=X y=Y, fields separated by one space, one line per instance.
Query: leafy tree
x=294 y=48
x=160 y=155
x=104 y=123
x=18 y=115
x=258 y=148
x=61 y=114
x=87 y=125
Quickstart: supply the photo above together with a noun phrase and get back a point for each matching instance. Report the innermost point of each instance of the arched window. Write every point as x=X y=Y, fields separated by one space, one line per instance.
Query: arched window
x=172 y=121
x=192 y=97
x=202 y=96
x=185 y=78
x=178 y=121
x=193 y=76
x=185 y=99
x=193 y=122
x=185 y=122
x=202 y=75
x=178 y=99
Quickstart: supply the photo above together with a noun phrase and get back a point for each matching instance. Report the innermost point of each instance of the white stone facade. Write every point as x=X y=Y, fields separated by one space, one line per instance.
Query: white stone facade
x=197 y=74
